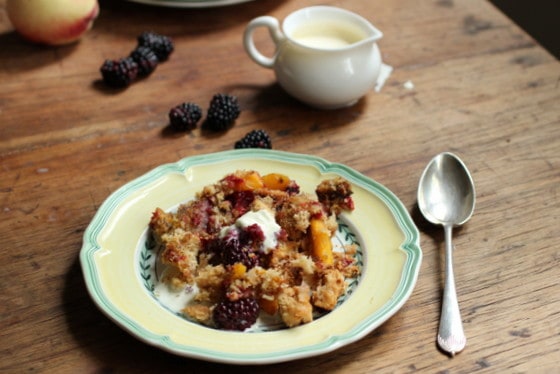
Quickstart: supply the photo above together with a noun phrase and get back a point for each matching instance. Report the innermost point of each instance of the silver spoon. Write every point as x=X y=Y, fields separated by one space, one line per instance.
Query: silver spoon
x=446 y=196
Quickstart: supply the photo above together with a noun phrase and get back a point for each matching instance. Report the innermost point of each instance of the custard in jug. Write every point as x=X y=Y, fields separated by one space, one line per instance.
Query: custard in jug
x=327 y=35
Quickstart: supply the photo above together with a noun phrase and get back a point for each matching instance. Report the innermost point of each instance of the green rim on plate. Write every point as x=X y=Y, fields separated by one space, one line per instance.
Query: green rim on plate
x=114 y=244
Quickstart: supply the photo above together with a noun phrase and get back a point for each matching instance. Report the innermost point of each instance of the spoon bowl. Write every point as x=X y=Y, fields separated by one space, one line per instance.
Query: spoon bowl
x=446 y=191
x=446 y=196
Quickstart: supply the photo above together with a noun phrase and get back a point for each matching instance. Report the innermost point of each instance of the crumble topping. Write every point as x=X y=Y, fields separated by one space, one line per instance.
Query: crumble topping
x=251 y=244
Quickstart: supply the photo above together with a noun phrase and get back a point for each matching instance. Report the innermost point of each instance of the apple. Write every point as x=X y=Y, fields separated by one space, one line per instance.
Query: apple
x=52 y=22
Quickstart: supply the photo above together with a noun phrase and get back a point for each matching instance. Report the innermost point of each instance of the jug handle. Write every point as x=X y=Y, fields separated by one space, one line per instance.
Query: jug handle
x=276 y=35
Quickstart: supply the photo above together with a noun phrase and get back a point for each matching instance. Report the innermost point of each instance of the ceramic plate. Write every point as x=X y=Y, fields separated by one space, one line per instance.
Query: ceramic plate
x=116 y=260
x=190 y=3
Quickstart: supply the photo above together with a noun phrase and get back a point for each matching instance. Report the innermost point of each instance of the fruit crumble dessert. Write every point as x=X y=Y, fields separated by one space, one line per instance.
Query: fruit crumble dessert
x=253 y=245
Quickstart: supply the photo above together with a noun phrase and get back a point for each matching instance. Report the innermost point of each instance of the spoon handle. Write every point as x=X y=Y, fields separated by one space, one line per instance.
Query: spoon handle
x=451 y=337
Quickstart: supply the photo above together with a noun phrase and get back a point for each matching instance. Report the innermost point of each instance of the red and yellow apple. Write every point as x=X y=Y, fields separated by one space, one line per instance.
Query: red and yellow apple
x=52 y=22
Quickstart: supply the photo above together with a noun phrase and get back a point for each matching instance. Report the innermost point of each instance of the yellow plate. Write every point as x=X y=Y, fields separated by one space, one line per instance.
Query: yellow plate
x=113 y=260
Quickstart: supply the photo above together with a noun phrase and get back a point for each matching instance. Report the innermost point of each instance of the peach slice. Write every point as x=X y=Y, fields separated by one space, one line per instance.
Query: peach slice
x=321 y=245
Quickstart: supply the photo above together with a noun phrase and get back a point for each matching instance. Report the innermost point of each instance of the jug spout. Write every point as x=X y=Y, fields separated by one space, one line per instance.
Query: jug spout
x=374 y=34
x=364 y=34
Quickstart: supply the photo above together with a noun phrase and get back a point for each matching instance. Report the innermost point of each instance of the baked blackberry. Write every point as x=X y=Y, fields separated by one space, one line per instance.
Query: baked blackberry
x=242 y=255
x=235 y=247
x=146 y=59
x=119 y=73
x=240 y=202
x=185 y=116
x=162 y=45
x=236 y=315
x=223 y=111
x=254 y=139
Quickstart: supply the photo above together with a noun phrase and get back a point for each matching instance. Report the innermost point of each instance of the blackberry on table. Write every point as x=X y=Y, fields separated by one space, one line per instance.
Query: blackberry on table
x=184 y=116
x=119 y=73
x=223 y=111
x=236 y=315
x=254 y=139
x=162 y=45
x=146 y=59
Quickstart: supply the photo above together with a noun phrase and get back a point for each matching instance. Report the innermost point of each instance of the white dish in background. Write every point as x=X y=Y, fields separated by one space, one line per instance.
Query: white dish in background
x=116 y=266
x=190 y=3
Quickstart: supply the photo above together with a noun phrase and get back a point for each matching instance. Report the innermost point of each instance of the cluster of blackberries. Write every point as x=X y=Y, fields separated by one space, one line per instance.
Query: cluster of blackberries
x=152 y=49
x=222 y=113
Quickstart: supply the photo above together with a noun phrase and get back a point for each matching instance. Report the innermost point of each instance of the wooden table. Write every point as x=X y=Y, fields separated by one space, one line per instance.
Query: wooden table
x=465 y=79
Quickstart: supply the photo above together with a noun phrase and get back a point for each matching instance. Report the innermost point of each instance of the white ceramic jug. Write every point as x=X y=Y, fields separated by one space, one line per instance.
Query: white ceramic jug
x=325 y=56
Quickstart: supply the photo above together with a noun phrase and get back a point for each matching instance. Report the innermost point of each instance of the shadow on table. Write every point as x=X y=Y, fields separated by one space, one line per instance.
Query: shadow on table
x=30 y=55
x=272 y=102
x=111 y=349
x=539 y=18
x=435 y=232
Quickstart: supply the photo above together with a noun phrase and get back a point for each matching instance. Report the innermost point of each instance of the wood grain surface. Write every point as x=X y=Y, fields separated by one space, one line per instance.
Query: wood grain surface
x=477 y=86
